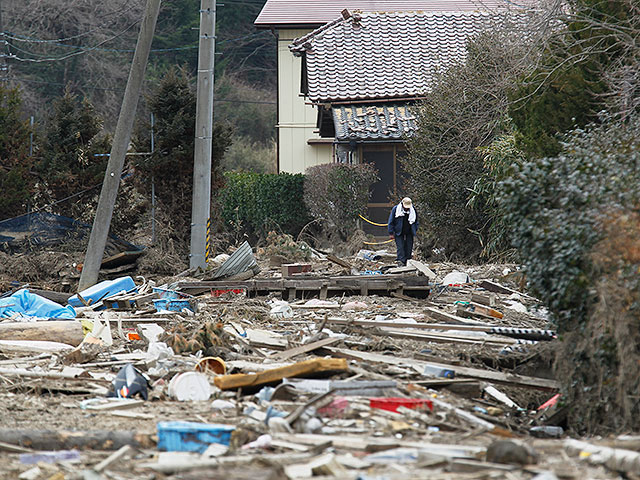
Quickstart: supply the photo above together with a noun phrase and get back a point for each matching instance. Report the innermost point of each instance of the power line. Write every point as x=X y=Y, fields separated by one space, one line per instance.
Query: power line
x=82 y=87
x=97 y=49
x=59 y=40
x=64 y=57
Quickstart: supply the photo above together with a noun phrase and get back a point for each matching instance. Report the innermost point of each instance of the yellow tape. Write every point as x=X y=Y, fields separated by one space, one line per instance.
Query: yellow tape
x=378 y=243
x=373 y=223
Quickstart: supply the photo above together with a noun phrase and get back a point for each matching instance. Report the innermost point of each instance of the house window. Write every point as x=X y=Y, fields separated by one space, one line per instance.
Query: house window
x=346 y=153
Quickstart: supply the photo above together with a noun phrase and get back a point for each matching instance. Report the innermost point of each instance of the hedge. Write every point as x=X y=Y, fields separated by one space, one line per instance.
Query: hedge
x=259 y=202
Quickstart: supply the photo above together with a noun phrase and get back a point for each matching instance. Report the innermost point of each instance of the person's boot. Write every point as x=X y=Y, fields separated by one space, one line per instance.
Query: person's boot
x=400 y=263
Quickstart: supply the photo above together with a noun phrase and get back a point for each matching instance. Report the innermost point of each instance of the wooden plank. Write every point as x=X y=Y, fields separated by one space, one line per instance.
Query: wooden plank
x=339 y=261
x=33 y=346
x=484 y=310
x=497 y=288
x=308 y=367
x=292 y=352
x=122 y=258
x=289 y=269
x=450 y=318
x=488 y=300
x=445 y=338
x=422 y=268
x=498 y=377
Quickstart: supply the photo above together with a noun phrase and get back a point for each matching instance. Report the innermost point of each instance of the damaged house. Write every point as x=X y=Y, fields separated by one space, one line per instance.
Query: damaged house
x=347 y=89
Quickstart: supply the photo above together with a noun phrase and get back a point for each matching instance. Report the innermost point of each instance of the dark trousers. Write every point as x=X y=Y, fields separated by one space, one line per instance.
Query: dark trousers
x=404 y=245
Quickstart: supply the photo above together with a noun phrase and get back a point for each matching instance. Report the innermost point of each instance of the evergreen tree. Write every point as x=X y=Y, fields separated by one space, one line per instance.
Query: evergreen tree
x=569 y=88
x=173 y=103
x=16 y=182
x=68 y=161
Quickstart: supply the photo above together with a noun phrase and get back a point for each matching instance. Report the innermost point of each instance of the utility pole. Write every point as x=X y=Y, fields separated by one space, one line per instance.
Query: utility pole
x=104 y=212
x=201 y=204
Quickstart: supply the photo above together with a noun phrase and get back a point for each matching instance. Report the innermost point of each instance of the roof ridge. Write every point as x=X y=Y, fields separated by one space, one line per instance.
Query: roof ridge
x=299 y=45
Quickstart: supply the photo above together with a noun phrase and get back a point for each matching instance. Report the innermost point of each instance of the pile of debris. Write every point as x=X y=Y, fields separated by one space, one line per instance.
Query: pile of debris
x=329 y=367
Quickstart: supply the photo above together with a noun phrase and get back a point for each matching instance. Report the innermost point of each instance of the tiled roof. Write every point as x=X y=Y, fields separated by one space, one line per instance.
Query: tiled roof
x=373 y=122
x=313 y=13
x=384 y=55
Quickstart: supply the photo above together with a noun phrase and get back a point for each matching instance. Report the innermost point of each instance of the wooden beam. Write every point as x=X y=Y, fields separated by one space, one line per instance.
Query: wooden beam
x=498 y=377
x=274 y=375
x=450 y=318
x=292 y=352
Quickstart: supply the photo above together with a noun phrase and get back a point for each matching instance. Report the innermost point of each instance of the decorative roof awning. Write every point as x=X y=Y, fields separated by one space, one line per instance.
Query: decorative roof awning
x=370 y=122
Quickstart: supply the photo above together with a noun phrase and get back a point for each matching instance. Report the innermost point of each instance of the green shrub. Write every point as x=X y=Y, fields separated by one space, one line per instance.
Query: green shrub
x=499 y=160
x=257 y=202
x=575 y=221
x=337 y=193
x=554 y=207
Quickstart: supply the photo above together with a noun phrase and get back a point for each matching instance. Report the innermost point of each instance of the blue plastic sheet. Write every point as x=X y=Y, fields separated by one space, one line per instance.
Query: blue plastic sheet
x=102 y=290
x=32 y=305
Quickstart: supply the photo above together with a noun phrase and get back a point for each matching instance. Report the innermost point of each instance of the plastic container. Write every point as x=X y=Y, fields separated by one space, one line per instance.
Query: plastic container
x=190 y=386
x=102 y=290
x=191 y=436
x=212 y=364
x=392 y=403
x=433 y=371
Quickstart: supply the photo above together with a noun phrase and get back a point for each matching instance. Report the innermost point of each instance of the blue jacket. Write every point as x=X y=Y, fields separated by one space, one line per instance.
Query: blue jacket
x=395 y=223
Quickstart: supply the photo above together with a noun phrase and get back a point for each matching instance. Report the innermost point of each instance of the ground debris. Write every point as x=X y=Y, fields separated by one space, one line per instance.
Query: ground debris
x=336 y=369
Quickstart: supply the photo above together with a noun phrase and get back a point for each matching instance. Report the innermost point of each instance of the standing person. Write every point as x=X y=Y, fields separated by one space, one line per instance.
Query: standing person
x=403 y=225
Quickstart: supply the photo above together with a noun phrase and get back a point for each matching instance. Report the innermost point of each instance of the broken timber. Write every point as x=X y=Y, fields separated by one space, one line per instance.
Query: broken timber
x=274 y=375
x=497 y=377
x=304 y=284
x=67 y=440
x=62 y=331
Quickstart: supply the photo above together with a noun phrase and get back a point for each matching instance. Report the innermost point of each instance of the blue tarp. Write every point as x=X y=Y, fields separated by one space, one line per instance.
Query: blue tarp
x=32 y=305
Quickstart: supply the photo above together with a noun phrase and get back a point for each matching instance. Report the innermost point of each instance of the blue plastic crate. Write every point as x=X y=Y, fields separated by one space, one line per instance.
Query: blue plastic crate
x=191 y=436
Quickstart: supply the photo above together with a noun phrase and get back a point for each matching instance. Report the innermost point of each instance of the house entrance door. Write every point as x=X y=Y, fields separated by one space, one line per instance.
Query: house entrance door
x=384 y=193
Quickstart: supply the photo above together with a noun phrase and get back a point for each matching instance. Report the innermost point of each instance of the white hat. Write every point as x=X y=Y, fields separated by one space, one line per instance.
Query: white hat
x=406 y=202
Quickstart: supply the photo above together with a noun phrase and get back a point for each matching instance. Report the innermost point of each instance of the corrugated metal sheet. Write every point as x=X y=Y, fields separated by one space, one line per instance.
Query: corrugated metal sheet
x=373 y=122
x=281 y=13
x=386 y=55
x=240 y=261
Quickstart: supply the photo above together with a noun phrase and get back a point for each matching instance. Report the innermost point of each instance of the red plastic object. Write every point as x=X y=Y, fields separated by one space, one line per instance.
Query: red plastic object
x=236 y=291
x=336 y=408
x=392 y=403
x=552 y=401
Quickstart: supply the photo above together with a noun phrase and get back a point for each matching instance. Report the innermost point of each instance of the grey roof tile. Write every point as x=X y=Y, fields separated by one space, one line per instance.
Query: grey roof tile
x=385 y=55
x=373 y=122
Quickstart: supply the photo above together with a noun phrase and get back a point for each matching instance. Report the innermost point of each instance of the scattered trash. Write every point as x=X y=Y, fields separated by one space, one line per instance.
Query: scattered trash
x=456 y=278
x=547 y=431
x=281 y=309
x=392 y=403
x=128 y=383
x=506 y=451
x=212 y=364
x=434 y=371
x=50 y=457
x=354 y=306
x=353 y=362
